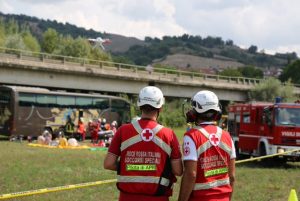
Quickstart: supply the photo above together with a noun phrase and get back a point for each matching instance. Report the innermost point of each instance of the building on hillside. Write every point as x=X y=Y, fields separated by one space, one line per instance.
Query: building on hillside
x=272 y=72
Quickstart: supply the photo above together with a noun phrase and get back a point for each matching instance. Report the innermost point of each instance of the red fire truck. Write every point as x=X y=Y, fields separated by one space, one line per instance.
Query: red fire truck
x=260 y=129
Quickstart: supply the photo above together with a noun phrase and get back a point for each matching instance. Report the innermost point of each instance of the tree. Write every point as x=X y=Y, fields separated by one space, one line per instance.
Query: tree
x=31 y=42
x=252 y=49
x=80 y=48
x=270 y=89
x=231 y=72
x=15 y=41
x=98 y=54
x=12 y=27
x=251 y=72
x=50 y=40
x=229 y=42
x=291 y=71
x=2 y=35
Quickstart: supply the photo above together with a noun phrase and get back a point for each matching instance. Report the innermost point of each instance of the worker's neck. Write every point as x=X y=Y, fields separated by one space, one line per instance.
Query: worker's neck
x=152 y=116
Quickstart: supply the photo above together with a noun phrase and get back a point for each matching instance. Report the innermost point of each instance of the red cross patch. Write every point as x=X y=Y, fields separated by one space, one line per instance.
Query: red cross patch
x=186 y=151
x=214 y=139
x=147 y=135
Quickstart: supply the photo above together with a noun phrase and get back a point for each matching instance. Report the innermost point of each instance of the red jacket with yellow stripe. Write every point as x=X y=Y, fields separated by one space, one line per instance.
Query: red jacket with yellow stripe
x=214 y=148
x=145 y=166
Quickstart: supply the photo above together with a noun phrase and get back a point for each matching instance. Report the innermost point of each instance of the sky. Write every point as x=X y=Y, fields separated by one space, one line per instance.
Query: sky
x=271 y=25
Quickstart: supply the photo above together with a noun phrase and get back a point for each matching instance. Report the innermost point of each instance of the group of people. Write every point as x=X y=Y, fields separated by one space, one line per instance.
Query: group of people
x=61 y=141
x=94 y=128
x=147 y=156
x=101 y=127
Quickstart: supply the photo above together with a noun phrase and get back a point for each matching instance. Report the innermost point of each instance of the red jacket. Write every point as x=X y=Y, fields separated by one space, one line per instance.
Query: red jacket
x=145 y=154
x=214 y=147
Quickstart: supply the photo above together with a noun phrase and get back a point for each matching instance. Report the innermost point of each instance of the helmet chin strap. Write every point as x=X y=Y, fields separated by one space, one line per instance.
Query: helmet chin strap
x=157 y=115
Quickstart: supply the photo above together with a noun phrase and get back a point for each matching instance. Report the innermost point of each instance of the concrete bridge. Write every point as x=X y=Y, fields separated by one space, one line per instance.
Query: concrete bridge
x=60 y=72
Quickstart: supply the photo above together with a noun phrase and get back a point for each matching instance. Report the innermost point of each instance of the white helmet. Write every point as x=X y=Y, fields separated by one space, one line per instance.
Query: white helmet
x=73 y=142
x=114 y=123
x=205 y=100
x=151 y=95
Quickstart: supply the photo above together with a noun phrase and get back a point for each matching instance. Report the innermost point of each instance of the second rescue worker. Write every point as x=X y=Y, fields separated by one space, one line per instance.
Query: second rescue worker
x=149 y=154
x=209 y=153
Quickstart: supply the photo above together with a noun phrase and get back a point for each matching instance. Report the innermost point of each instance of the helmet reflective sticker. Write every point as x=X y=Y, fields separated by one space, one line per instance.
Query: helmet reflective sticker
x=151 y=95
x=204 y=101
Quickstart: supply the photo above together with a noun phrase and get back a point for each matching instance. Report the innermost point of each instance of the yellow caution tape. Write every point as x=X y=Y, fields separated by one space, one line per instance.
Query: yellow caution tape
x=267 y=156
x=59 y=147
x=54 y=189
x=88 y=184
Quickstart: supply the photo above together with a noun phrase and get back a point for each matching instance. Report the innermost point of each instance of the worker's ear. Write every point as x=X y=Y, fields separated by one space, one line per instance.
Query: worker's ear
x=191 y=116
x=218 y=116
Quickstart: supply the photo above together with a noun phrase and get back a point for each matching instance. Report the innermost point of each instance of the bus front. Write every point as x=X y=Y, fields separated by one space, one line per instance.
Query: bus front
x=6 y=111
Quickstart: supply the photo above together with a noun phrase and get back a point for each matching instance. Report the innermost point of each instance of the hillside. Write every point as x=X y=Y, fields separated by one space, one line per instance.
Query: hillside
x=38 y=26
x=191 y=62
x=184 y=52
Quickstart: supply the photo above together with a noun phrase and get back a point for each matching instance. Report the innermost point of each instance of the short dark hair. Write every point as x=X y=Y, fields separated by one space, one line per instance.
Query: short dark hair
x=209 y=115
x=148 y=109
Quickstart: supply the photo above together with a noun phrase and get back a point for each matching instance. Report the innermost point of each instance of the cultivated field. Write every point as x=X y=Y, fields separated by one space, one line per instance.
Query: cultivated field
x=27 y=168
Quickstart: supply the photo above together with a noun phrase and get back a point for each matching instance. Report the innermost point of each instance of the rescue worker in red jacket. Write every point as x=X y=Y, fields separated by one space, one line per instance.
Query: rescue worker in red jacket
x=209 y=153
x=148 y=153
x=81 y=129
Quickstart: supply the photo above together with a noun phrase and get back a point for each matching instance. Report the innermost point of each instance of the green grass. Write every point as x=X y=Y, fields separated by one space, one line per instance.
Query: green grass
x=28 y=168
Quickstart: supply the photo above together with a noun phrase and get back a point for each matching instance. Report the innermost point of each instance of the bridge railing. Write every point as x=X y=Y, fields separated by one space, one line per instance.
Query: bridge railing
x=90 y=63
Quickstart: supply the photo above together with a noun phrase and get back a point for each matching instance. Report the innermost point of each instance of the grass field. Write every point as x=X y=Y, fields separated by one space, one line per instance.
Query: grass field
x=28 y=168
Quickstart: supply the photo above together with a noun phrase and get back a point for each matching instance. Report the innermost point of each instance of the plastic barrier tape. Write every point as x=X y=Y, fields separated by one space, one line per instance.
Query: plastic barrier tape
x=54 y=189
x=267 y=156
x=82 y=185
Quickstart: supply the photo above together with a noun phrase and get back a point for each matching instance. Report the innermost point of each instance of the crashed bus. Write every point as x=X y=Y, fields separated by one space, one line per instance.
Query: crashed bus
x=28 y=111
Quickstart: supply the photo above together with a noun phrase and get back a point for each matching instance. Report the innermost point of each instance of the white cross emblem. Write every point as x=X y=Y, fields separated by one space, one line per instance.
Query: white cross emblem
x=147 y=135
x=214 y=139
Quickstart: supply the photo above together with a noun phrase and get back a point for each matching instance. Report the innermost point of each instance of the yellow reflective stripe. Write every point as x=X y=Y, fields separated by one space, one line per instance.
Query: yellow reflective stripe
x=143 y=179
x=206 y=134
x=203 y=131
x=225 y=147
x=137 y=126
x=213 y=184
x=219 y=132
x=164 y=146
x=207 y=144
x=203 y=148
x=213 y=172
x=157 y=129
x=133 y=167
x=135 y=139
x=130 y=141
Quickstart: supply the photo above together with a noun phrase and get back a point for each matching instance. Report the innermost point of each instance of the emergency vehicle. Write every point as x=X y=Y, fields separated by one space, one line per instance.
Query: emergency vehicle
x=260 y=129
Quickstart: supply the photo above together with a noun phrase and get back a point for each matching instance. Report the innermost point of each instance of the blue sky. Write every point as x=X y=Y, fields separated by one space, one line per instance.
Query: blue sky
x=271 y=25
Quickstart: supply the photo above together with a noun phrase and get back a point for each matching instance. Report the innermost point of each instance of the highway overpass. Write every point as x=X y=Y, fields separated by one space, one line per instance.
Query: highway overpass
x=61 y=72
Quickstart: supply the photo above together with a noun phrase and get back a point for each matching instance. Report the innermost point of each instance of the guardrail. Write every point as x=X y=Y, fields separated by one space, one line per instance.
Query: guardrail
x=52 y=58
x=90 y=64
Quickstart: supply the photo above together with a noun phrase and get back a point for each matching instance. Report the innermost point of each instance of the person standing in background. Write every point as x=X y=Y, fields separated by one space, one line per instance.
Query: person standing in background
x=209 y=153
x=148 y=153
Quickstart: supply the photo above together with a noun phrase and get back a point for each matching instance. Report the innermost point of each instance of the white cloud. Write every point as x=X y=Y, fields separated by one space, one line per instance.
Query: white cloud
x=268 y=24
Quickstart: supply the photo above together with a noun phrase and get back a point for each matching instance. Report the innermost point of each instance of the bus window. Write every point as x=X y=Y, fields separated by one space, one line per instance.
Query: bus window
x=120 y=106
x=66 y=101
x=45 y=100
x=115 y=103
x=5 y=111
x=101 y=103
x=84 y=102
x=26 y=99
